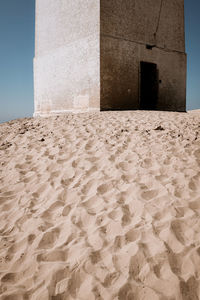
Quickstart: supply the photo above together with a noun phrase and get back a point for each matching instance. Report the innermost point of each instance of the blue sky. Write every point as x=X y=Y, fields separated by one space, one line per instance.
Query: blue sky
x=17 y=51
x=16 y=58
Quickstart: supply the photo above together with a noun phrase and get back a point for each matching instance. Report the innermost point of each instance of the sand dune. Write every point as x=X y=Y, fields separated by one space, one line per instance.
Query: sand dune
x=100 y=206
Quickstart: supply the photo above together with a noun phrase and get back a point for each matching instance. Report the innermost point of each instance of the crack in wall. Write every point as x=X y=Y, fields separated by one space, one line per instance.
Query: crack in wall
x=158 y=23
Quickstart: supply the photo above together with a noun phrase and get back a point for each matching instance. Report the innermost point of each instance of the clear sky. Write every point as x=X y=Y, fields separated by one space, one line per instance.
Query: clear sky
x=17 y=51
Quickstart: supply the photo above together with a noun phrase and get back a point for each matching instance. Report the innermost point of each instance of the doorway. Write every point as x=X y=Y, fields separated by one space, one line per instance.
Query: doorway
x=148 y=86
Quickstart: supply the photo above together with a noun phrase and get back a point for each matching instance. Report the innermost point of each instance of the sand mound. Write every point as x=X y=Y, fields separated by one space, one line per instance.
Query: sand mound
x=100 y=206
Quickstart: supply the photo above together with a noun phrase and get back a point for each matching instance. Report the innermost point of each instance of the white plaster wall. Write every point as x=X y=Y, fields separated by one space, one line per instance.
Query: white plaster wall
x=67 y=56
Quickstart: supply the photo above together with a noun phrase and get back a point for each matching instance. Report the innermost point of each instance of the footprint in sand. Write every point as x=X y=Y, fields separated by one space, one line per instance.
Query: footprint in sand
x=119 y=242
x=4 y=199
x=181 y=211
x=137 y=262
x=66 y=210
x=192 y=185
x=91 y=171
x=42 y=188
x=90 y=188
x=132 y=235
x=116 y=214
x=194 y=182
x=90 y=145
x=175 y=260
x=69 y=172
x=29 y=157
x=53 y=256
x=54 y=175
x=178 y=230
x=61 y=282
x=30 y=177
x=54 y=209
x=195 y=205
x=104 y=188
x=110 y=279
x=22 y=166
x=93 y=203
x=147 y=163
x=197 y=154
x=125 y=166
x=126 y=219
x=31 y=238
x=95 y=257
x=6 y=207
x=149 y=194
x=190 y=289
x=49 y=238
x=125 y=292
x=9 y=278
x=10 y=194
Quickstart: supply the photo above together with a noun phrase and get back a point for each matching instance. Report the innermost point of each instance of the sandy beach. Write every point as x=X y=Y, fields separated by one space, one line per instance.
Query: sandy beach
x=100 y=206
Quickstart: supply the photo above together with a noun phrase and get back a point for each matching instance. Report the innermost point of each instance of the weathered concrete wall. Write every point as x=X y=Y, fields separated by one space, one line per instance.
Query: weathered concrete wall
x=172 y=73
x=127 y=26
x=67 y=56
x=120 y=75
x=140 y=20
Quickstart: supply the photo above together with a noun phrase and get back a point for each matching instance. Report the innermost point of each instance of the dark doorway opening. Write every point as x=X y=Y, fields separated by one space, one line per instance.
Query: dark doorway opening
x=148 y=86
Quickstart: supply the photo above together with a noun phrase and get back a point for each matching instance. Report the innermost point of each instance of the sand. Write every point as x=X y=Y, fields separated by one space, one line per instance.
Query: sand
x=100 y=206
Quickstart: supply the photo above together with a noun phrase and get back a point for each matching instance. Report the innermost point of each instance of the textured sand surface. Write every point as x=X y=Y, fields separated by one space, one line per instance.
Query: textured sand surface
x=100 y=206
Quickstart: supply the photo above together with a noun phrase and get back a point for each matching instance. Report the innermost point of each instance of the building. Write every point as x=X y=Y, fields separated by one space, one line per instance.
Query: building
x=93 y=55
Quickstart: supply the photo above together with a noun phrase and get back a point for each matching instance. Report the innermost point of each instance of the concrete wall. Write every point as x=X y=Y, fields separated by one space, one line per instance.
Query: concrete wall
x=88 y=53
x=67 y=56
x=126 y=27
x=139 y=20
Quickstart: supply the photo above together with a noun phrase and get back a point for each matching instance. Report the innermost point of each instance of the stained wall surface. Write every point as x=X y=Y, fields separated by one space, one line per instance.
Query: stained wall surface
x=127 y=26
x=67 y=56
